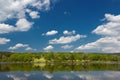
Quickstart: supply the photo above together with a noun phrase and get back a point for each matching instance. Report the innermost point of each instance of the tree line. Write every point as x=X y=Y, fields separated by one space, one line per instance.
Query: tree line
x=58 y=57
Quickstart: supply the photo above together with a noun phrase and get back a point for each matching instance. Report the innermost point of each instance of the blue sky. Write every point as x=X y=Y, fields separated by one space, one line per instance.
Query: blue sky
x=60 y=25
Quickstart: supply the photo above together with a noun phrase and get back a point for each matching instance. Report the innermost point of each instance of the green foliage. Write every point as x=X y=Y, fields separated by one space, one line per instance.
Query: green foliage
x=4 y=58
x=64 y=57
x=26 y=57
x=41 y=60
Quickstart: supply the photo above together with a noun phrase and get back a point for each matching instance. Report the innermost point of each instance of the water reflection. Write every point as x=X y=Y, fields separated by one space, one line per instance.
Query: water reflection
x=57 y=67
x=35 y=75
x=59 y=72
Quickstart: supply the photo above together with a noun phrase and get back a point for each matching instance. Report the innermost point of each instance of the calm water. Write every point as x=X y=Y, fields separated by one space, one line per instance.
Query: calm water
x=59 y=72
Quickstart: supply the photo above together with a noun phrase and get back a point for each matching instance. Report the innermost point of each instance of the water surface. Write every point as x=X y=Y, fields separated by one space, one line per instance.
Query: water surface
x=59 y=72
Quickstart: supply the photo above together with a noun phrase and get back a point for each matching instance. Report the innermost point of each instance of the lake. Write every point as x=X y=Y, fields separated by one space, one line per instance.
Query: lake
x=59 y=71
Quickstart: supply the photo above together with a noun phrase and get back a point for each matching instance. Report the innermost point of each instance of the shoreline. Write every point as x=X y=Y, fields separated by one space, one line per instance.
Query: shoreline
x=62 y=62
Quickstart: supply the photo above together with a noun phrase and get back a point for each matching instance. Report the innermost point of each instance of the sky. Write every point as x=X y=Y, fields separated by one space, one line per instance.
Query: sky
x=60 y=26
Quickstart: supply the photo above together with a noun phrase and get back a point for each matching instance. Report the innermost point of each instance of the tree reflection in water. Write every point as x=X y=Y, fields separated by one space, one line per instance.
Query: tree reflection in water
x=59 y=72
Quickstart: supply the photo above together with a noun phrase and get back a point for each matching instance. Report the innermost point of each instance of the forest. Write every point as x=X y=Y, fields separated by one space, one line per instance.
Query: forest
x=59 y=57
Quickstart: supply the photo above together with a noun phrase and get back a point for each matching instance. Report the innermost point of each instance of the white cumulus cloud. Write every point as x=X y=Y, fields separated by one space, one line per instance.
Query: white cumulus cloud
x=112 y=28
x=4 y=40
x=21 y=25
x=20 y=45
x=18 y=9
x=67 y=46
x=50 y=33
x=17 y=46
x=67 y=39
x=66 y=32
x=6 y=28
x=110 y=40
x=34 y=14
x=50 y=47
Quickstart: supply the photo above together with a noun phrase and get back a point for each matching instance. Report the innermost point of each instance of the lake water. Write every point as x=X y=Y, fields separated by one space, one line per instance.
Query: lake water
x=59 y=72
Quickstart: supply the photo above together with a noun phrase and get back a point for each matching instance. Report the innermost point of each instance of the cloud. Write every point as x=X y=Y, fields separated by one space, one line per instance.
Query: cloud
x=50 y=33
x=29 y=48
x=66 y=32
x=4 y=40
x=17 y=46
x=6 y=28
x=112 y=28
x=110 y=40
x=50 y=47
x=34 y=14
x=20 y=45
x=106 y=44
x=65 y=40
x=66 y=46
x=18 y=9
x=21 y=25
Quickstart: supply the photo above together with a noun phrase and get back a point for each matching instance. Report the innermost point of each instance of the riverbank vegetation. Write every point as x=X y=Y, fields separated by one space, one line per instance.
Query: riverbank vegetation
x=59 y=57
